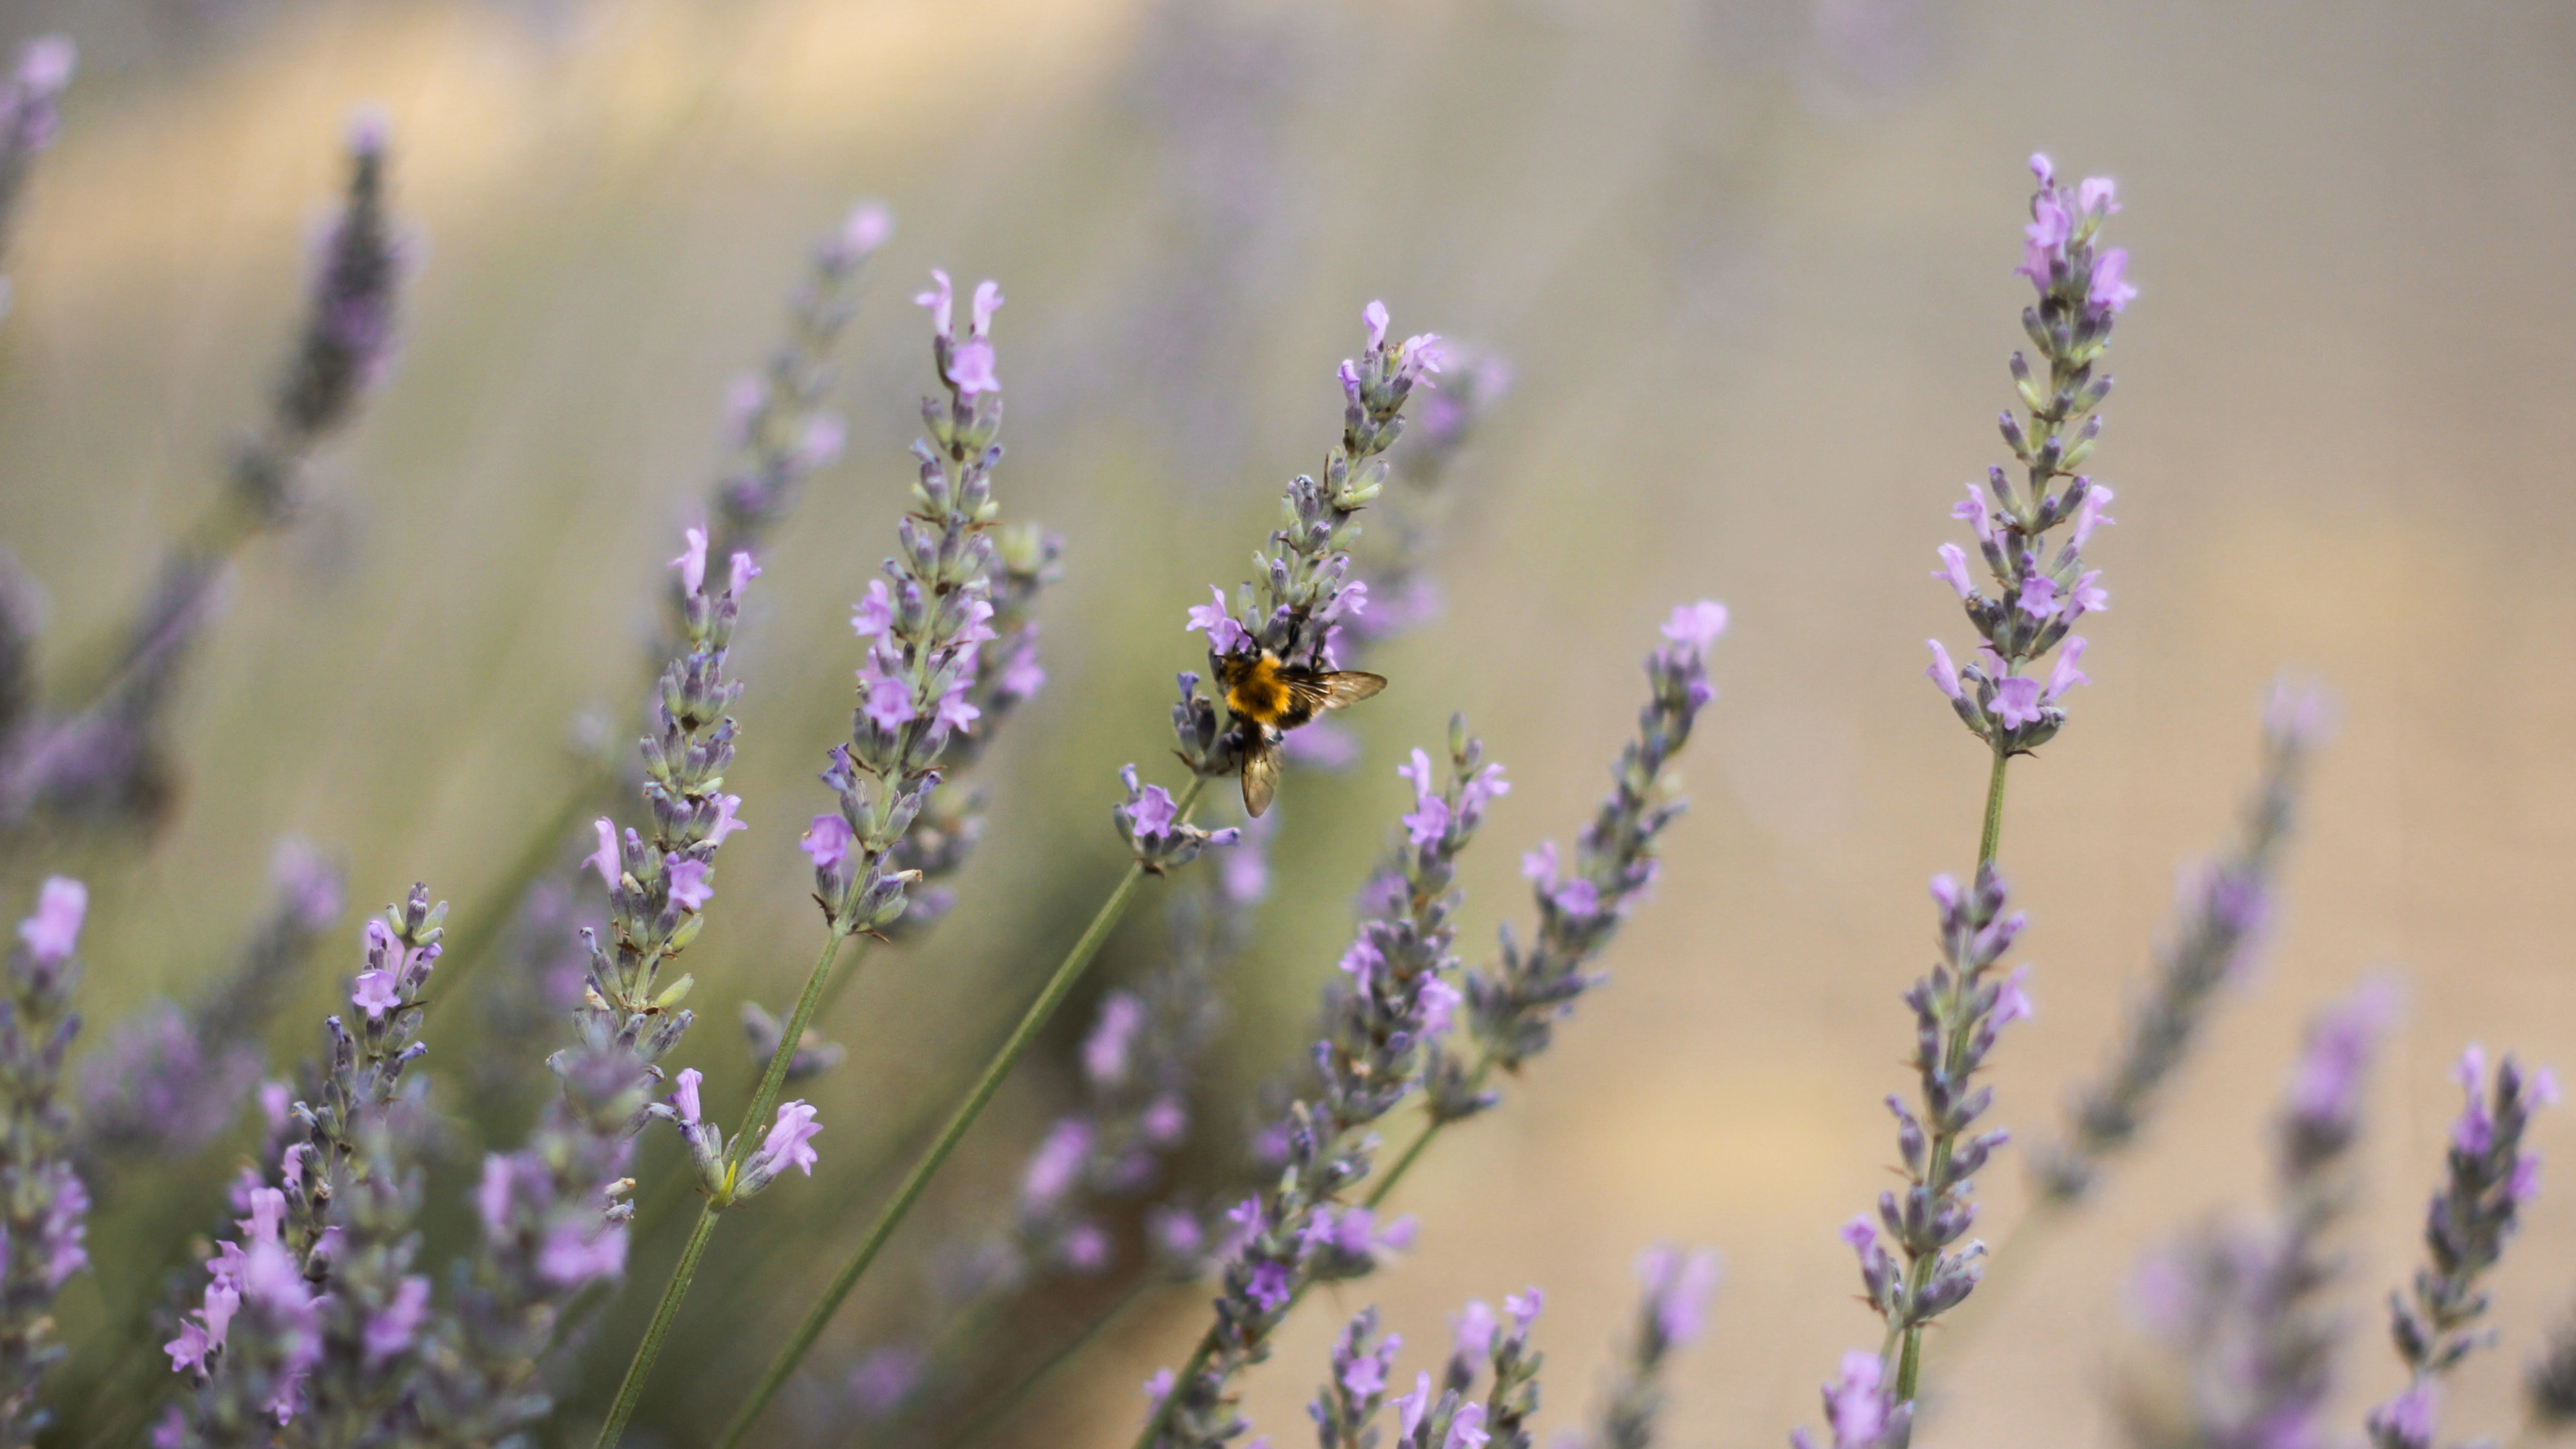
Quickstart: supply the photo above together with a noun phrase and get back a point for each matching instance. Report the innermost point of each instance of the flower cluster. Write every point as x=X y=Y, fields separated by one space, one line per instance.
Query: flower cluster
x=2039 y=597
x=2490 y=1177
x=2249 y=1307
x=1671 y=1314
x=1512 y=1007
x=167 y=1080
x=1397 y=997
x=1346 y=1409
x=321 y=1276
x=776 y=419
x=926 y=624
x=1305 y=593
x=1959 y=1009
x=788 y=1143
x=1150 y=821
x=43 y=1205
x=2218 y=921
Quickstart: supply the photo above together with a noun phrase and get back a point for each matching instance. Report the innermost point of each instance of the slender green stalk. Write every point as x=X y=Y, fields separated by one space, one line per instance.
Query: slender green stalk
x=763 y=1101
x=1422 y=1140
x=844 y=976
x=1050 y=997
x=632 y=1387
x=1909 y=1344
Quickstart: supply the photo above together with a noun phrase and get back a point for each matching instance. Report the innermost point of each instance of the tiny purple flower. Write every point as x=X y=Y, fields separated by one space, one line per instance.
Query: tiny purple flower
x=1943 y=674
x=604 y=860
x=744 y=568
x=889 y=701
x=2017 y=702
x=1475 y=1326
x=2066 y=676
x=972 y=369
x=2089 y=515
x=873 y=615
x=1225 y=636
x=375 y=994
x=1524 y=1307
x=575 y=1253
x=686 y=1098
x=791 y=1138
x=1696 y=625
x=941 y=301
x=1269 y=1287
x=690 y=890
x=1467 y=1428
x=1578 y=898
x=52 y=932
x=1954 y=571
x=1154 y=811
x=2097 y=196
x=1440 y=1003
x=391 y=1331
x=2014 y=1003
x=725 y=823
x=1540 y=865
x=1056 y=1165
x=826 y=841
x=988 y=296
x=1410 y=1408
x=692 y=562
x=1974 y=514
x=2039 y=596
x=1854 y=1405
x=2110 y=291
x=1021 y=677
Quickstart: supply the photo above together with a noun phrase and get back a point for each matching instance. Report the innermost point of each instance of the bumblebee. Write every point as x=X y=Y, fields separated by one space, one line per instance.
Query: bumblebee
x=1272 y=698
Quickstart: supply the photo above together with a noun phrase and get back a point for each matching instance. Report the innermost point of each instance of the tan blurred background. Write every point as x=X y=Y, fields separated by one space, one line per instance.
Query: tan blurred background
x=1751 y=261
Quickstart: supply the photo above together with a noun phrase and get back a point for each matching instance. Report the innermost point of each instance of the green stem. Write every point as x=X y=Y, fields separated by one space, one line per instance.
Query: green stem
x=1909 y=1343
x=772 y=1082
x=1422 y=1140
x=843 y=977
x=632 y=1387
x=1994 y=830
x=1051 y=996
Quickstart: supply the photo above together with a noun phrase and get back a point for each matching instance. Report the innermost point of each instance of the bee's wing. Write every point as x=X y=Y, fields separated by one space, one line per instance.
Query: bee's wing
x=1260 y=776
x=1321 y=692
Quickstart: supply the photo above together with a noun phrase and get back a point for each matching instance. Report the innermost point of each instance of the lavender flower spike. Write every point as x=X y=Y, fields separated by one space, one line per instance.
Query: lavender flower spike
x=1512 y=1006
x=779 y=427
x=2490 y=1177
x=1305 y=593
x=1670 y=1315
x=43 y=1204
x=1346 y=1409
x=2250 y=1308
x=2217 y=925
x=2039 y=596
x=1959 y=1009
x=1296 y=1235
x=30 y=113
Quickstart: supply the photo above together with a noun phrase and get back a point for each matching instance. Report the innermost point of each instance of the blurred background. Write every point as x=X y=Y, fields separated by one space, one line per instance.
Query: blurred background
x=1750 y=263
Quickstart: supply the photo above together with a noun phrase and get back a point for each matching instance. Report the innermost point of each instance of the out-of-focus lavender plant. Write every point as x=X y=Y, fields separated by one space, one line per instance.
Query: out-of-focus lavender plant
x=30 y=114
x=1671 y=1314
x=316 y=1312
x=780 y=428
x=1137 y=1066
x=2219 y=918
x=2247 y=1306
x=1512 y=1007
x=167 y=1079
x=1397 y=998
x=2549 y=1387
x=43 y=1205
x=101 y=761
x=2488 y=1180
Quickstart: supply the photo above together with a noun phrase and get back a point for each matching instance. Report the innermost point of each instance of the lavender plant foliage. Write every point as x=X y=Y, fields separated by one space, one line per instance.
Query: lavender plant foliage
x=168 y=1079
x=315 y=1312
x=30 y=114
x=1513 y=1006
x=1375 y=1026
x=43 y=1204
x=103 y=762
x=2216 y=929
x=2248 y=1307
x=2549 y=1388
x=2488 y=1181
x=1671 y=1314
x=2039 y=596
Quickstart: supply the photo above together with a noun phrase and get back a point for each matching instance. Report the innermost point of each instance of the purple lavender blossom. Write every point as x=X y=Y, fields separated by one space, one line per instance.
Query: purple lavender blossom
x=2249 y=1307
x=778 y=425
x=2220 y=912
x=2488 y=1181
x=1671 y=1312
x=43 y=1204
x=2040 y=596
x=30 y=113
